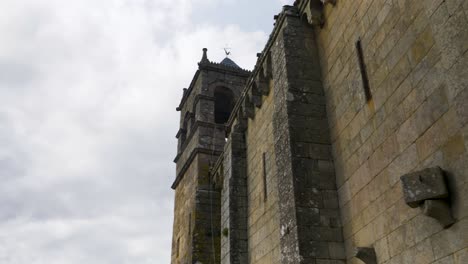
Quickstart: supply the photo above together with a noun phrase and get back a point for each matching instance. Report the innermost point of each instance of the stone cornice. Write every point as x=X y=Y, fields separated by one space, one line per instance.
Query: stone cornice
x=181 y=131
x=192 y=132
x=242 y=109
x=313 y=10
x=211 y=66
x=218 y=67
x=188 y=91
x=264 y=59
x=192 y=156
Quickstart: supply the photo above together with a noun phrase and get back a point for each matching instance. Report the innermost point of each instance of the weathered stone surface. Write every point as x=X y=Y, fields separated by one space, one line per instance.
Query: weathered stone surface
x=197 y=216
x=440 y=210
x=423 y=185
x=308 y=128
x=367 y=255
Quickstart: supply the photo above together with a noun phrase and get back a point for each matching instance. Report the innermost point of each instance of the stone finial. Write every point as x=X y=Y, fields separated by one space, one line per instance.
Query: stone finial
x=367 y=255
x=205 y=56
x=427 y=189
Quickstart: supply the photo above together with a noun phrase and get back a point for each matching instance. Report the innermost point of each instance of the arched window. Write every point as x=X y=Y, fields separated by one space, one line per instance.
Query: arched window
x=224 y=103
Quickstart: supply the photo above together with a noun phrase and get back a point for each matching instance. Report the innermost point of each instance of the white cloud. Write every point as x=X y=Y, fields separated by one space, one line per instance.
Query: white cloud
x=286 y=2
x=88 y=91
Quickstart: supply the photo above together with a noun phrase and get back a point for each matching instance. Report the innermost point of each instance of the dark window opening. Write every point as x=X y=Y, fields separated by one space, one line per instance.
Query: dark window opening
x=183 y=134
x=190 y=224
x=182 y=138
x=362 y=68
x=224 y=103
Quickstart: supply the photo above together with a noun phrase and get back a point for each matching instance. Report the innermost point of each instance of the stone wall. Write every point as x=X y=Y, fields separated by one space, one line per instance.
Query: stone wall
x=234 y=206
x=196 y=235
x=416 y=60
x=184 y=214
x=262 y=186
x=206 y=215
x=311 y=169
x=309 y=213
x=293 y=214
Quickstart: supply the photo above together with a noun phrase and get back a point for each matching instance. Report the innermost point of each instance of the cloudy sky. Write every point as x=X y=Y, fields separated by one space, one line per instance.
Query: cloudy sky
x=88 y=90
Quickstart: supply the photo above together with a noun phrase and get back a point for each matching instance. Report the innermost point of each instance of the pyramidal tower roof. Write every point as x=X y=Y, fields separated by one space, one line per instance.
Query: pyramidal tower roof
x=228 y=62
x=225 y=64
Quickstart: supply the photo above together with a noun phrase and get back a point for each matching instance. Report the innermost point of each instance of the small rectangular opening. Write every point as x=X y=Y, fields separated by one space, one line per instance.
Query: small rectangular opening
x=265 y=191
x=362 y=68
x=190 y=224
x=178 y=247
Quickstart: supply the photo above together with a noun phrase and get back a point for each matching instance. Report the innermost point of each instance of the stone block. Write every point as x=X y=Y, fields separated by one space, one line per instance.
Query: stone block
x=431 y=5
x=365 y=236
x=330 y=199
x=461 y=107
x=381 y=250
x=433 y=138
x=336 y=250
x=420 y=254
x=378 y=227
x=366 y=254
x=403 y=164
x=456 y=33
x=421 y=46
x=460 y=198
x=440 y=210
x=423 y=227
x=450 y=240
x=317 y=249
x=421 y=70
x=461 y=256
x=446 y=260
x=400 y=240
x=454 y=148
x=423 y=185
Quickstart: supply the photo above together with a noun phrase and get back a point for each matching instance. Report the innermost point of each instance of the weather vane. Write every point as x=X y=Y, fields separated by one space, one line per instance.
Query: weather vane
x=227 y=50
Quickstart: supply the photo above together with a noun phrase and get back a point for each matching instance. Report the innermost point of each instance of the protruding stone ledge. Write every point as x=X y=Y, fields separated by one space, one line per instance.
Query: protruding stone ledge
x=423 y=185
x=313 y=10
x=440 y=210
x=248 y=108
x=427 y=189
x=366 y=254
x=255 y=95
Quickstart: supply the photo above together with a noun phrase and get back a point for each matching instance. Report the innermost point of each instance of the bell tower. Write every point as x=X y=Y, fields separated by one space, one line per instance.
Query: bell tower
x=204 y=110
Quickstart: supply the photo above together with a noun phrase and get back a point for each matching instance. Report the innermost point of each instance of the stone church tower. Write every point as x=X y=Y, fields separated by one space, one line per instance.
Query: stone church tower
x=346 y=144
x=204 y=111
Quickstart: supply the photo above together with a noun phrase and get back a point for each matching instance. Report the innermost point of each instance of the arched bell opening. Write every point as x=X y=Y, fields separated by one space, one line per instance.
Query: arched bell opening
x=224 y=103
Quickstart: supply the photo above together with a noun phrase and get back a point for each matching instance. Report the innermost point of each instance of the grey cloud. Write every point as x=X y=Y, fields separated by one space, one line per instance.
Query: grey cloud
x=16 y=75
x=88 y=91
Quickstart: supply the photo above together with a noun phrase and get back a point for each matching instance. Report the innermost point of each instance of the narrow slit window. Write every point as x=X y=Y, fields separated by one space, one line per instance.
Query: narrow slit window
x=362 y=68
x=178 y=247
x=265 y=191
x=190 y=224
